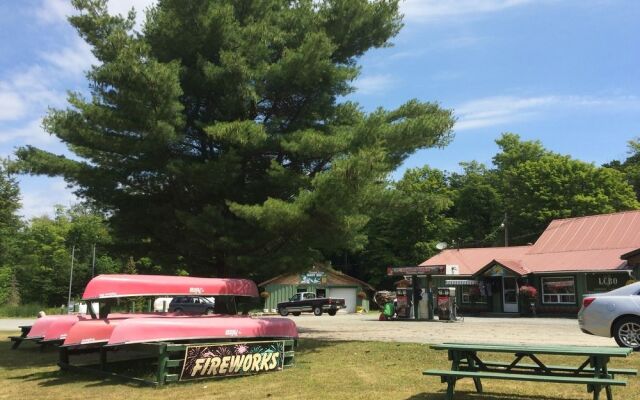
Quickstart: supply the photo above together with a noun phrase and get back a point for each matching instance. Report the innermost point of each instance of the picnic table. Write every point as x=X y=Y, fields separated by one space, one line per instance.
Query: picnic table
x=24 y=331
x=468 y=360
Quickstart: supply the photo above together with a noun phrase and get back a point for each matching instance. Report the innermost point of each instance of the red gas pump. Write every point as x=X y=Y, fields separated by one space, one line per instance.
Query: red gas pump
x=446 y=304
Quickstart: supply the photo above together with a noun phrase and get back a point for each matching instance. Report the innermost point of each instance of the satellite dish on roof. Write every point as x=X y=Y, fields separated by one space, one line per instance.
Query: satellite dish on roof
x=441 y=245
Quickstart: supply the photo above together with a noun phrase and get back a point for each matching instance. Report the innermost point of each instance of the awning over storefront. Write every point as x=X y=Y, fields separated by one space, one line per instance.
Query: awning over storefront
x=461 y=282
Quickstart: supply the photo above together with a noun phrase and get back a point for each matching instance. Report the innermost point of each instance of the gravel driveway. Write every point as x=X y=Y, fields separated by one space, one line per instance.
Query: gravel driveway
x=473 y=329
x=12 y=324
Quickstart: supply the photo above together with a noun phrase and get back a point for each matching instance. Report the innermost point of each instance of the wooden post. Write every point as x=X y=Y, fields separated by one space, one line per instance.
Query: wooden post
x=162 y=364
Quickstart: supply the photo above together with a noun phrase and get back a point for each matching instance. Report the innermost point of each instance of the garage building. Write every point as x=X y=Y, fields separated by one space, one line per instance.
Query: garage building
x=324 y=282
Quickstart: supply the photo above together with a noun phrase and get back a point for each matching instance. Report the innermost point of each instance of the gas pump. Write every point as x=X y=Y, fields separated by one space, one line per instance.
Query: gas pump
x=446 y=305
x=403 y=303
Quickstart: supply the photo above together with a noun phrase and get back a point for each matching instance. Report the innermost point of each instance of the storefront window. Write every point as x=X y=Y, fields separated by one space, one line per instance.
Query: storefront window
x=473 y=294
x=559 y=290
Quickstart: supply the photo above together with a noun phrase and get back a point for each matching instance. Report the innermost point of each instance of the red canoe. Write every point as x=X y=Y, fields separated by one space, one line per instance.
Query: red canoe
x=112 y=286
x=214 y=327
x=117 y=329
x=98 y=331
x=41 y=325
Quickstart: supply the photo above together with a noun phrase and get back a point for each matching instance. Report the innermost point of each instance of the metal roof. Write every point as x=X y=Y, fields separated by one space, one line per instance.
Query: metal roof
x=592 y=243
x=471 y=260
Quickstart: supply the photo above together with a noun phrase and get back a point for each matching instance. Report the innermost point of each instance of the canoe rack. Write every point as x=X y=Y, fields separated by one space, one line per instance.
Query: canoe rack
x=167 y=359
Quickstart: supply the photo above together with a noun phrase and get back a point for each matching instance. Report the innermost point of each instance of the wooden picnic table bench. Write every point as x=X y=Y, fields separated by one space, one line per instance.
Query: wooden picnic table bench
x=594 y=371
x=18 y=339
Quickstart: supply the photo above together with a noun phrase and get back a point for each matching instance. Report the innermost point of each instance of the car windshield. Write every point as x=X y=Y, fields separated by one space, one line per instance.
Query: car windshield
x=628 y=290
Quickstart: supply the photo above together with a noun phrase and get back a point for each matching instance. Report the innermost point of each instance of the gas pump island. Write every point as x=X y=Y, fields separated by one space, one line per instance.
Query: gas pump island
x=411 y=302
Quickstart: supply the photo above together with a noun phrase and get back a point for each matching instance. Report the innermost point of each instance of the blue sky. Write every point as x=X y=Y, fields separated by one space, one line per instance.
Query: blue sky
x=564 y=72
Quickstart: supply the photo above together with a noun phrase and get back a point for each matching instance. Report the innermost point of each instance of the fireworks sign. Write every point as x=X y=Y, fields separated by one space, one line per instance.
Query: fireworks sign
x=232 y=359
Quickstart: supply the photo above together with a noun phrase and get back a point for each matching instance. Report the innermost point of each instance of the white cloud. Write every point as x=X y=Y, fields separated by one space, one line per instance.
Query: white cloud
x=374 y=83
x=12 y=106
x=26 y=91
x=30 y=133
x=123 y=6
x=57 y=11
x=499 y=110
x=74 y=59
x=423 y=10
x=42 y=194
x=54 y=11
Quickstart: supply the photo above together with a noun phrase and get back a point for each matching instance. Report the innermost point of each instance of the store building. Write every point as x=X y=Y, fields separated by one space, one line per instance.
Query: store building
x=324 y=282
x=572 y=257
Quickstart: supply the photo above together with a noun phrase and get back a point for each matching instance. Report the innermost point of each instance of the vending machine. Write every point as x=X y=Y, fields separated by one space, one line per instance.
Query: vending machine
x=446 y=304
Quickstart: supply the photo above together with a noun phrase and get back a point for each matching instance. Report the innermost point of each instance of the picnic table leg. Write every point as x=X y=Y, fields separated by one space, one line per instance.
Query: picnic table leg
x=599 y=365
x=15 y=344
x=596 y=392
x=451 y=385
x=472 y=366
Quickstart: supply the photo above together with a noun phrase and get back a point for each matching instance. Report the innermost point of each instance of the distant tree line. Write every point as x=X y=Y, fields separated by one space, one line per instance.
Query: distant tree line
x=526 y=187
x=35 y=254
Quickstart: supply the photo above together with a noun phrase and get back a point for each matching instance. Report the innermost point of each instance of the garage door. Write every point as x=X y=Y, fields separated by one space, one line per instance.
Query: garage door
x=348 y=294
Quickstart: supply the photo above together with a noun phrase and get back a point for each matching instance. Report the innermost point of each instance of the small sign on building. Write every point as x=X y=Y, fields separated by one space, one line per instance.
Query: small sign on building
x=313 y=278
x=419 y=270
x=605 y=281
x=452 y=269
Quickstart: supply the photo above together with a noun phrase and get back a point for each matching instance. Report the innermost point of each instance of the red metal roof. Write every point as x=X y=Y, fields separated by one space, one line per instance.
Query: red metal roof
x=596 y=232
x=573 y=244
x=514 y=265
x=471 y=260
x=588 y=260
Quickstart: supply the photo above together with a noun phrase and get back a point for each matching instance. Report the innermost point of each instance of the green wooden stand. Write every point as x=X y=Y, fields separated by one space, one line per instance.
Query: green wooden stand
x=167 y=357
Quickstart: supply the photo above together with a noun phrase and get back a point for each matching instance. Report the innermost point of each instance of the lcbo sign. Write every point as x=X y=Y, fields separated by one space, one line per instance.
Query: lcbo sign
x=605 y=282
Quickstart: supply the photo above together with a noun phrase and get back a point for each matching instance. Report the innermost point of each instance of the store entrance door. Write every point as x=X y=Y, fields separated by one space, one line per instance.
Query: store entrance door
x=510 y=294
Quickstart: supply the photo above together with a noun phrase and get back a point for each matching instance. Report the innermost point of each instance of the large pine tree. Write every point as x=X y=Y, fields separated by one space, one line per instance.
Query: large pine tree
x=219 y=138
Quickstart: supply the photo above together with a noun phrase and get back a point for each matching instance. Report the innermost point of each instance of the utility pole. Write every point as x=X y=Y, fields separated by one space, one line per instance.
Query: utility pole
x=506 y=230
x=73 y=253
x=93 y=263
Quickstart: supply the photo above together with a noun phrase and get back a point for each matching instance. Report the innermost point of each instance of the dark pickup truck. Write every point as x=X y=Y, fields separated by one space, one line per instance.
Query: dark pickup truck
x=308 y=302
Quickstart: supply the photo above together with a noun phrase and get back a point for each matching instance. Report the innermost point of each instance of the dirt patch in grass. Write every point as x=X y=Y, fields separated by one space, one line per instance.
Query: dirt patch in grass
x=324 y=370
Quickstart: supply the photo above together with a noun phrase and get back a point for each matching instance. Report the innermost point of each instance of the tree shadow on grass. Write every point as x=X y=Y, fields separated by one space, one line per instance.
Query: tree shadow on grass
x=61 y=377
x=28 y=355
x=308 y=346
x=470 y=395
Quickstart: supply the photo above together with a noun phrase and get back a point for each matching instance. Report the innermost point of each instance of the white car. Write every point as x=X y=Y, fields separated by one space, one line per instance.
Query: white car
x=615 y=313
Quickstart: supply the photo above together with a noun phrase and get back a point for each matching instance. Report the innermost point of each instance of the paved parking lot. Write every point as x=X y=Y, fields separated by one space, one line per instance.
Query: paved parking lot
x=472 y=329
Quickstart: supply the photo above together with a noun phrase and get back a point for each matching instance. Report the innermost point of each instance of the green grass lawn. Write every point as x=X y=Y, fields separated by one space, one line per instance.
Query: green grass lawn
x=324 y=370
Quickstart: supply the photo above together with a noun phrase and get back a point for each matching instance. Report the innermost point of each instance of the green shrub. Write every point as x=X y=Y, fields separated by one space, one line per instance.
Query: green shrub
x=26 y=311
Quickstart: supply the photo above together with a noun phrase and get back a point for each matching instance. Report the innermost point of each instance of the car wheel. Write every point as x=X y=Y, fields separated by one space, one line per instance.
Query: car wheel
x=332 y=312
x=317 y=311
x=297 y=313
x=209 y=311
x=283 y=312
x=626 y=331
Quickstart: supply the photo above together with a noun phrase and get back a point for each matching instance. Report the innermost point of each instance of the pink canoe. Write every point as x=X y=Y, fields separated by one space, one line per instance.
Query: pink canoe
x=118 y=329
x=214 y=327
x=41 y=325
x=113 y=286
x=98 y=331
